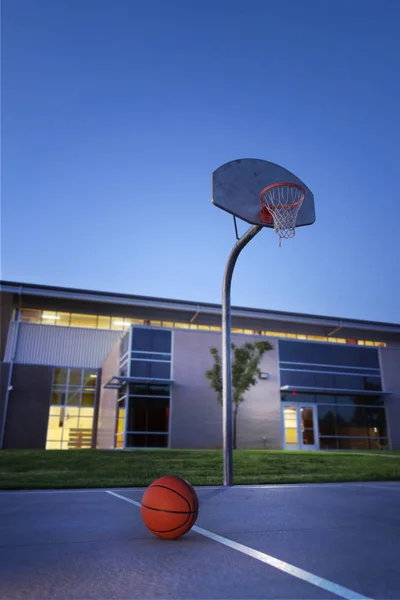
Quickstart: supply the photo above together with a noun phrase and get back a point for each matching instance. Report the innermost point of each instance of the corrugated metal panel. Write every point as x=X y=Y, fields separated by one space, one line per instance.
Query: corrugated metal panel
x=61 y=346
x=10 y=342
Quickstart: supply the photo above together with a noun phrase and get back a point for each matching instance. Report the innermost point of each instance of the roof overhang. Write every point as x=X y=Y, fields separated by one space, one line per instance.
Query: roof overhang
x=320 y=390
x=200 y=312
x=117 y=382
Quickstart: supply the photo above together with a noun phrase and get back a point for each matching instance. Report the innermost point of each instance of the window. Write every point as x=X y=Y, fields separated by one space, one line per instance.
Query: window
x=328 y=354
x=75 y=377
x=84 y=321
x=155 y=340
x=331 y=367
x=30 y=316
x=150 y=370
x=146 y=441
x=148 y=415
x=140 y=389
x=104 y=322
x=89 y=379
x=327 y=420
x=60 y=377
x=71 y=413
x=352 y=427
x=118 y=323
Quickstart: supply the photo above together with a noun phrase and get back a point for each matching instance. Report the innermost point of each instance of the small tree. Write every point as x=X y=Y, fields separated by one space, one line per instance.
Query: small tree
x=245 y=370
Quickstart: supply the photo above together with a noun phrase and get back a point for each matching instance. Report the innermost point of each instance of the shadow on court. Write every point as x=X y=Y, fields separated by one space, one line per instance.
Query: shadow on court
x=310 y=541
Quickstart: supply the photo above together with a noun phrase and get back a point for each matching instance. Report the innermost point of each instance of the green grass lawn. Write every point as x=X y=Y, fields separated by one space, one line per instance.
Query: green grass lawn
x=37 y=469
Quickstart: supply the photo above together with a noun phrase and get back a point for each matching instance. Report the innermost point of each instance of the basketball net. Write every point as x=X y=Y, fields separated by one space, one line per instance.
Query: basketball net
x=280 y=205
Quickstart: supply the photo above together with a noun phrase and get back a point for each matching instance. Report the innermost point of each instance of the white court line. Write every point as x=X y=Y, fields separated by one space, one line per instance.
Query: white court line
x=260 y=486
x=255 y=486
x=320 y=582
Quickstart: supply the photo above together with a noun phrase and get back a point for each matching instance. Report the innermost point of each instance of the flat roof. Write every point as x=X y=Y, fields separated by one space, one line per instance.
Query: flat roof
x=204 y=312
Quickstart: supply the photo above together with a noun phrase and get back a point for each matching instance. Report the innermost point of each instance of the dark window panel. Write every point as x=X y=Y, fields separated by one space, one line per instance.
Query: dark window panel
x=348 y=382
x=357 y=356
x=89 y=378
x=379 y=444
x=353 y=443
x=297 y=397
x=157 y=441
x=75 y=377
x=331 y=369
x=359 y=400
x=74 y=398
x=60 y=377
x=376 y=422
x=154 y=340
x=308 y=437
x=351 y=421
x=327 y=420
x=324 y=398
x=307 y=417
x=144 y=389
x=140 y=419
x=136 y=440
x=343 y=399
x=372 y=383
x=58 y=398
x=149 y=401
x=150 y=369
x=328 y=443
x=140 y=440
x=87 y=399
x=157 y=419
x=151 y=356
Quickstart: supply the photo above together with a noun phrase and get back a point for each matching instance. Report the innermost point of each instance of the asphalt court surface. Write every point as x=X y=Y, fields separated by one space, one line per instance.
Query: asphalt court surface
x=289 y=542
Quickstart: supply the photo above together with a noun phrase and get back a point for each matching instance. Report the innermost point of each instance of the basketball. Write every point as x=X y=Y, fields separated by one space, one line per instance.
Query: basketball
x=169 y=507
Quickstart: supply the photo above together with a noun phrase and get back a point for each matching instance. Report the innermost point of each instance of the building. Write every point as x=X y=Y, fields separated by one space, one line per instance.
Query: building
x=85 y=369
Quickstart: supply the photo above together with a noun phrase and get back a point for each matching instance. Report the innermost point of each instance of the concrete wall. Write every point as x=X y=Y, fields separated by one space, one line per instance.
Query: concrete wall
x=196 y=417
x=108 y=401
x=28 y=407
x=390 y=368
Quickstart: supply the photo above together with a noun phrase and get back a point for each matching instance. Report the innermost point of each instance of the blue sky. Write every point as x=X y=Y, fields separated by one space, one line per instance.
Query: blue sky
x=115 y=114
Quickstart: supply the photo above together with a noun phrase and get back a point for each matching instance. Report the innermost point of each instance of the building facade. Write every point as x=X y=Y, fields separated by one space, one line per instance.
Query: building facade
x=84 y=369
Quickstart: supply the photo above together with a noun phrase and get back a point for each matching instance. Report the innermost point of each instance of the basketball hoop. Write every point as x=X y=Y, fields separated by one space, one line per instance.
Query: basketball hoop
x=280 y=205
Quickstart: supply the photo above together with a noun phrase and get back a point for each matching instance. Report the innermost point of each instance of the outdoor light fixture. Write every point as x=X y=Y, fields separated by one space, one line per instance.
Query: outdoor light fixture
x=264 y=375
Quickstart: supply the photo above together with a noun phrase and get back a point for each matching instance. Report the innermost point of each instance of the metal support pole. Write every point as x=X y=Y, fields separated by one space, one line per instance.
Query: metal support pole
x=226 y=353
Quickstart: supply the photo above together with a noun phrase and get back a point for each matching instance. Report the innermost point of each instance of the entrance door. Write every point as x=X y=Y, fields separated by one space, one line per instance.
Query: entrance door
x=299 y=426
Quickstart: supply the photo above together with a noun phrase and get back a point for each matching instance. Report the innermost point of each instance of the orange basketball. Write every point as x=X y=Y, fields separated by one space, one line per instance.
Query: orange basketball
x=169 y=507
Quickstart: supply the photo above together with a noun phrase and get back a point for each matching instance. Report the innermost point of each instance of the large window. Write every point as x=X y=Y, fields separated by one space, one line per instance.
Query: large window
x=150 y=354
x=352 y=427
x=71 y=412
x=148 y=415
x=147 y=402
x=311 y=365
x=353 y=400
x=346 y=422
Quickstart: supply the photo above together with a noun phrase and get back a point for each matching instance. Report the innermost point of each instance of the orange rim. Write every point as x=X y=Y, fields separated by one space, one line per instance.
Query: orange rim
x=265 y=215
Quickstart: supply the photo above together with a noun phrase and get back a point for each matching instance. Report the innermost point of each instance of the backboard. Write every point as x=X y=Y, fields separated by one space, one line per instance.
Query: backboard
x=237 y=186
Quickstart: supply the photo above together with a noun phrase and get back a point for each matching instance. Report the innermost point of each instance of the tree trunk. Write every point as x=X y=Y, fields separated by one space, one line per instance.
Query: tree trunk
x=235 y=412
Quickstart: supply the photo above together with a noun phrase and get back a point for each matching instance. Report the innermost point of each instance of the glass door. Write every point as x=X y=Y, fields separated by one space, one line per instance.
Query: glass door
x=299 y=426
